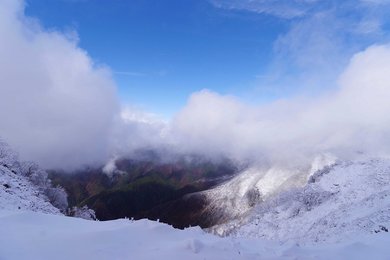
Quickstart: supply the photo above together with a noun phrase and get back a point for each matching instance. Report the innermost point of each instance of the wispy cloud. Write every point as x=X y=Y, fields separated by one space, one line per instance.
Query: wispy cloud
x=376 y=2
x=160 y=73
x=130 y=73
x=321 y=38
x=280 y=8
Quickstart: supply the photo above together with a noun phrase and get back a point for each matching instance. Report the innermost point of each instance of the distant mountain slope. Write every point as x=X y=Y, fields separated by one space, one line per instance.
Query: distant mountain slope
x=339 y=202
x=146 y=188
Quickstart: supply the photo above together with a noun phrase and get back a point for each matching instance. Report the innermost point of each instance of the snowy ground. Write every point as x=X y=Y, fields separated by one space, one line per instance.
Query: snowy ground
x=31 y=235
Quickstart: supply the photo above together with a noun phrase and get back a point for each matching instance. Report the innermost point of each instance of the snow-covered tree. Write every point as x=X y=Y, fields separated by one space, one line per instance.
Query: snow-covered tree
x=29 y=168
x=58 y=197
x=8 y=157
x=84 y=212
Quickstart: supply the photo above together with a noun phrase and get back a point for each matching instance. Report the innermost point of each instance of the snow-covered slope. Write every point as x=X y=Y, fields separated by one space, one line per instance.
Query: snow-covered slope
x=236 y=197
x=29 y=235
x=18 y=193
x=339 y=202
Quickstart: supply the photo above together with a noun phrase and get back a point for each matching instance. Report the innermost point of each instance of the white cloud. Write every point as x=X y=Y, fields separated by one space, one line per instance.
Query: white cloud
x=137 y=129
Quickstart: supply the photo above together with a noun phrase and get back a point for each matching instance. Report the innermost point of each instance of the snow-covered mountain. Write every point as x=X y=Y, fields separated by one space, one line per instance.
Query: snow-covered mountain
x=339 y=202
x=256 y=184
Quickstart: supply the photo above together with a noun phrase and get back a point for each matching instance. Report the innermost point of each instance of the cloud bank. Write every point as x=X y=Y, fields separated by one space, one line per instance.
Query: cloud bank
x=354 y=118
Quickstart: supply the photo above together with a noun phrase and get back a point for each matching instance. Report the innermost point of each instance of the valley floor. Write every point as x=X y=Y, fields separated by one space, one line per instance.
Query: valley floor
x=32 y=235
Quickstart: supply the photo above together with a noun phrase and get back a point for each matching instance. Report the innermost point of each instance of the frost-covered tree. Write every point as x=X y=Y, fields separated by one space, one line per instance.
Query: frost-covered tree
x=84 y=212
x=8 y=157
x=57 y=197
x=29 y=168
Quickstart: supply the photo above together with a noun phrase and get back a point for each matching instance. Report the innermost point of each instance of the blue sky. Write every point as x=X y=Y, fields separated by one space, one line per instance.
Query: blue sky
x=163 y=51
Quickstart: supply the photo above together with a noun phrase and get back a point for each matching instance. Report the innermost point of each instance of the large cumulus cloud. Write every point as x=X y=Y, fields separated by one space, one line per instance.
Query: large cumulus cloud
x=56 y=106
